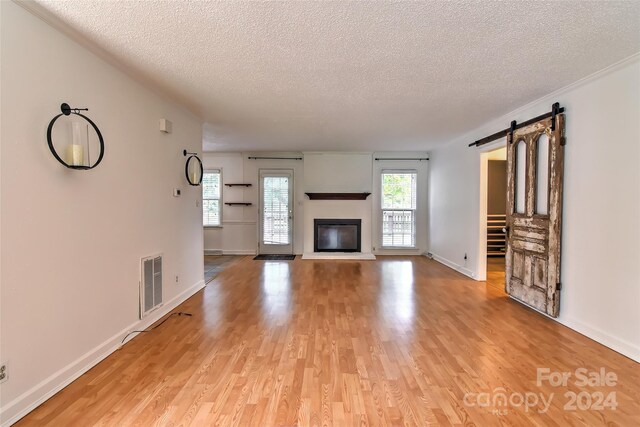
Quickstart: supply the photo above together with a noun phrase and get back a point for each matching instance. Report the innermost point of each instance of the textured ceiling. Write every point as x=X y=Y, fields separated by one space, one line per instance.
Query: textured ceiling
x=343 y=75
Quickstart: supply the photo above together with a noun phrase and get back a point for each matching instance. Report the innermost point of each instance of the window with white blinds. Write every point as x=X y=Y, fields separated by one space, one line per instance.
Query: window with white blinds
x=211 y=198
x=398 y=197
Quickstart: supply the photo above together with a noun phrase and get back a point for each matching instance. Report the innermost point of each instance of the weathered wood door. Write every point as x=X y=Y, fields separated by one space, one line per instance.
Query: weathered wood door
x=535 y=163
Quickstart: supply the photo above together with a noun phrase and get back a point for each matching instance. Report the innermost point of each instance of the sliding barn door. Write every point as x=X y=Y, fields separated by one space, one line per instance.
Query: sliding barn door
x=535 y=160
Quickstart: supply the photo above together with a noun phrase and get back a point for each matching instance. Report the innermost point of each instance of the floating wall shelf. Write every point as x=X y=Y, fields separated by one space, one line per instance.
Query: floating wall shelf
x=337 y=196
x=238 y=204
x=238 y=185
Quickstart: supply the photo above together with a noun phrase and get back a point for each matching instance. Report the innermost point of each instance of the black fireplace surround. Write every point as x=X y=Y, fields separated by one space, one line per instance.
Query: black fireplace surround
x=336 y=235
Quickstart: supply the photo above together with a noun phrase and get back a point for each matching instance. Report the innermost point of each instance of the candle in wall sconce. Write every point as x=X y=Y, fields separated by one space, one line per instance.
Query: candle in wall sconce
x=195 y=171
x=75 y=150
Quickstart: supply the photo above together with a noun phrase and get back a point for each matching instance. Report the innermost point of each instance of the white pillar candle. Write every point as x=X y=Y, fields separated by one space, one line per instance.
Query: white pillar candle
x=75 y=154
x=75 y=151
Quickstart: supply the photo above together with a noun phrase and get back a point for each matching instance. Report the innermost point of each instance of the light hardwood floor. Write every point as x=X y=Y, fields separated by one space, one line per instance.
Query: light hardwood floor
x=495 y=272
x=398 y=341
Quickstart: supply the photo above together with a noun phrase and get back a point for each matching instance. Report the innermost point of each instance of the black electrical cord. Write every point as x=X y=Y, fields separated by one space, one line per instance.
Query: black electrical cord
x=180 y=313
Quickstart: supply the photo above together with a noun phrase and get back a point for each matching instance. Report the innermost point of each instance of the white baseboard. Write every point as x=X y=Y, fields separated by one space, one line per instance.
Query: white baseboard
x=616 y=344
x=399 y=252
x=338 y=255
x=453 y=265
x=216 y=252
x=229 y=252
x=32 y=398
x=239 y=252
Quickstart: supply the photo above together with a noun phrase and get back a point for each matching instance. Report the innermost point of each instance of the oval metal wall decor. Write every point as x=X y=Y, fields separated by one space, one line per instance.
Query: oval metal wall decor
x=193 y=171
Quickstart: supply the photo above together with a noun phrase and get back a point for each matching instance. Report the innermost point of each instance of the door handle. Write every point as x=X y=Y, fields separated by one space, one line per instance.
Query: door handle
x=505 y=230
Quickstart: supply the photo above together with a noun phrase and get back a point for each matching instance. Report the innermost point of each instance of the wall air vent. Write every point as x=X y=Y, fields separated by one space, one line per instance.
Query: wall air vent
x=150 y=284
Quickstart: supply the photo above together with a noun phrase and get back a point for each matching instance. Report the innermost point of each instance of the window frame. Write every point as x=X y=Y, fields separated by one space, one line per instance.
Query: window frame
x=382 y=210
x=219 y=172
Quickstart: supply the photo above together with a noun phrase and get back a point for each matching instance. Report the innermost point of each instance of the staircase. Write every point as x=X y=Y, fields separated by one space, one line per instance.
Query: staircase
x=496 y=244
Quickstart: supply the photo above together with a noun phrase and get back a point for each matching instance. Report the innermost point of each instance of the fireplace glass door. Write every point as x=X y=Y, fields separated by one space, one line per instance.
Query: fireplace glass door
x=276 y=212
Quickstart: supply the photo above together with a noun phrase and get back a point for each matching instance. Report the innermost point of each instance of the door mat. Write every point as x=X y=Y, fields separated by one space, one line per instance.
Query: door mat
x=275 y=257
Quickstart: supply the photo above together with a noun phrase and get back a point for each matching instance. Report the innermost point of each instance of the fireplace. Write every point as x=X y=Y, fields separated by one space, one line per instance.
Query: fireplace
x=336 y=235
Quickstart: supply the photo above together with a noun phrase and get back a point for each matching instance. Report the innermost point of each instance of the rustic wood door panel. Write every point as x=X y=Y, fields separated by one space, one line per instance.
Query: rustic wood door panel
x=534 y=218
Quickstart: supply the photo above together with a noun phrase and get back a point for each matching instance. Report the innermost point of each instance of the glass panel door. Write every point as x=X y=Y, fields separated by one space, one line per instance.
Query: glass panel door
x=542 y=175
x=276 y=213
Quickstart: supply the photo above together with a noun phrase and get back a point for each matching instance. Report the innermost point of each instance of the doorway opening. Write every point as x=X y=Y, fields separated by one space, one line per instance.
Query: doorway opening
x=493 y=209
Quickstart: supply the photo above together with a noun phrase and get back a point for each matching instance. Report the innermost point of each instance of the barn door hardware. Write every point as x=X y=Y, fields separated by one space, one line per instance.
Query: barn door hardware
x=512 y=128
x=555 y=110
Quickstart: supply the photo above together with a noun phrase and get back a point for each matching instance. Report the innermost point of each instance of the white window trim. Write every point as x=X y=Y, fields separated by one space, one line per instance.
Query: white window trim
x=415 y=211
x=220 y=202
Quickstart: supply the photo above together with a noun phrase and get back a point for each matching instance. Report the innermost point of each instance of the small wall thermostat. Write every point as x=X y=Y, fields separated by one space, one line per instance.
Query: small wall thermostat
x=165 y=126
x=176 y=192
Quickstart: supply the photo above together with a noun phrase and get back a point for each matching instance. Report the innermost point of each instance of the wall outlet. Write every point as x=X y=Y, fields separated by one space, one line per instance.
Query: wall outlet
x=177 y=279
x=4 y=372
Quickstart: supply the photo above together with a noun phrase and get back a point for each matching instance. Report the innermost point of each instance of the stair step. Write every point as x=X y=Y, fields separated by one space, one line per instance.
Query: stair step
x=496 y=243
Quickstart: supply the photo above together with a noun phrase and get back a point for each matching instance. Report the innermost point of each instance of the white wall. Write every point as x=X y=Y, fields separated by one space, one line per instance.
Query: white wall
x=333 y=172
x=601 y=229
x=238 y=233
x=318 y=172
x=72 y=240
